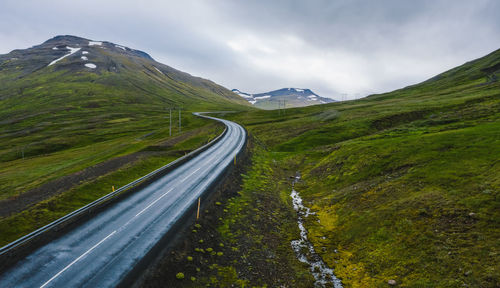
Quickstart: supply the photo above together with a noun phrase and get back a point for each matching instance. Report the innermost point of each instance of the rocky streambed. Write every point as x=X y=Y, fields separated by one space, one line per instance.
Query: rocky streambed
x=304 y=250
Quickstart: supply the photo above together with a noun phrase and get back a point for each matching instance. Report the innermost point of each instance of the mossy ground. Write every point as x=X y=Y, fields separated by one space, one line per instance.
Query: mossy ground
x=242 y=239
x=405 y=186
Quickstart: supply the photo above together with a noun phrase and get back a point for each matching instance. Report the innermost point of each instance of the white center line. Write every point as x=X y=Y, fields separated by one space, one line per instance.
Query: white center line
x=210 y=160
x=76 y=260
x=190 y=174
x=152 y=203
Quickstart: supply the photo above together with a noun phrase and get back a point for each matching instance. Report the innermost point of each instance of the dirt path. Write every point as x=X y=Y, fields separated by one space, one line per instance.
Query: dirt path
x=14 y=205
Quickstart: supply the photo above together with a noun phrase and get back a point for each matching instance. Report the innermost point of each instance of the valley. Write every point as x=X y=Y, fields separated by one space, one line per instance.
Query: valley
x=396 y=189
x=71 y=134
x=402 y=188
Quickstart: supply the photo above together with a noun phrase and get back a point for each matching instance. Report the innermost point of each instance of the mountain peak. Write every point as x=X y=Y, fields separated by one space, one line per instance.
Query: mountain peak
x=60 y=41
x=66 y=38
x=293 y=97
x=73 y=57
x=298 y=90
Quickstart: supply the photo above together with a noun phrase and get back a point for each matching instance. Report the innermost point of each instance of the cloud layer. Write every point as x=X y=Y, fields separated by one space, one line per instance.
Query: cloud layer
x=332 y=47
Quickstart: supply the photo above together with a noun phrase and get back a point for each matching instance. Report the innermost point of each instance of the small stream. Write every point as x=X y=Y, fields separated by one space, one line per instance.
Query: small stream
x=305 y=250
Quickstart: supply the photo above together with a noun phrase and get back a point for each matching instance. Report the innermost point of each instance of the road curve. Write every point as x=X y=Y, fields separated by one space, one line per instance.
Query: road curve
x=103 y=250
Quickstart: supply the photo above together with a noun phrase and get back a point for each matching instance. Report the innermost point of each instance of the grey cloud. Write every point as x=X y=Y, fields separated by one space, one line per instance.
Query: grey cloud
x=329 y=46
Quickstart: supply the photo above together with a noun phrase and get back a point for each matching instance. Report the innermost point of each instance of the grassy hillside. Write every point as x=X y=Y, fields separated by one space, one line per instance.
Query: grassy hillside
x=404 y=185
x=65 y=125
x=69 y=117
x=60 y=123
x=61 y=195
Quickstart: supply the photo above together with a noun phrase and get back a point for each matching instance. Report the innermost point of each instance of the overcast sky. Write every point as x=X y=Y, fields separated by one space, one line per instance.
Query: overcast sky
x=330 y=46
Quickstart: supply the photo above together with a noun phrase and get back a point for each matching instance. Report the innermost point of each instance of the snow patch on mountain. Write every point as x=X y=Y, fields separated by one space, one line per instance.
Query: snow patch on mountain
x=95 y=43
x=71 y=51
x=91 y=65
x=243 y=94
x=158 y=70
x=262 y=97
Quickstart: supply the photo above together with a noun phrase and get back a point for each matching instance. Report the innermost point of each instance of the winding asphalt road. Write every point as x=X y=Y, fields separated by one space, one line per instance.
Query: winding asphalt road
x=103 y=250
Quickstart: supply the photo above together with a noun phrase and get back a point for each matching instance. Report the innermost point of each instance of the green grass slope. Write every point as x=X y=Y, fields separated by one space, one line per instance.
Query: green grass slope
x=405 y=185
x=58 y=120
x=45 y=110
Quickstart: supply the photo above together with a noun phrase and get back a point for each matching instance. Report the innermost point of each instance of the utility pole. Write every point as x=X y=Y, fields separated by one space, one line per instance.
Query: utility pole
x=284 y=106
x=180 y=126
x=344 y=96
x=170 y=122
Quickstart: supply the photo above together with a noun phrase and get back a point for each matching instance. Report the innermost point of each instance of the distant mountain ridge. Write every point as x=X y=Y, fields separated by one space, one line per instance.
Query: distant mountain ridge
x=293 y=97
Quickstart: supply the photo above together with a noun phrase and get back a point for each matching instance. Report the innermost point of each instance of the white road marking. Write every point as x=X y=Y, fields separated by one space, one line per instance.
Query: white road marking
x=190 y=174
x=215 y=160
x=152 y=203
x=77 y=259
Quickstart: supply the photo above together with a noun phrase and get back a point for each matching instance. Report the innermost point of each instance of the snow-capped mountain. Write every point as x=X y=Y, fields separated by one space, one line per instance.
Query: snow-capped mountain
x=63 y=65
x=291 y=97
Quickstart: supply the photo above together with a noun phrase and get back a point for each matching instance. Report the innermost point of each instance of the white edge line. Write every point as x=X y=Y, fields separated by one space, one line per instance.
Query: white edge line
x=111 y=234
x=77 y=259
